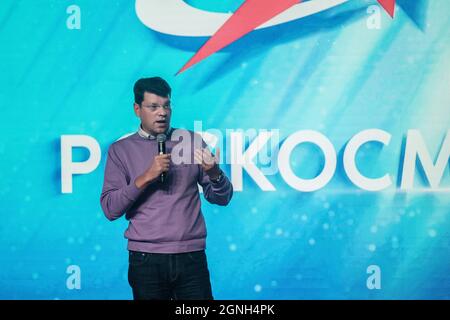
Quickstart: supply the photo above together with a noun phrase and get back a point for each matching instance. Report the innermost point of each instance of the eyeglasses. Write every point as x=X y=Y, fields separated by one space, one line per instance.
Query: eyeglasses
x=154 y=107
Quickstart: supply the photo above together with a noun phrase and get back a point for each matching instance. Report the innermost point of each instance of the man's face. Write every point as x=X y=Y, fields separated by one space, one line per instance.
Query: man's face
x=154 y=112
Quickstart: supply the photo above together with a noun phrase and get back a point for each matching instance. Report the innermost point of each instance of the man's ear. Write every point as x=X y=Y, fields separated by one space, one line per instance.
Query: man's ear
x=137 y=109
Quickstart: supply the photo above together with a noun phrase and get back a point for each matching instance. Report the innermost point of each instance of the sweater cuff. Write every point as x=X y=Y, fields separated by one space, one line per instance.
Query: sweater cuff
x=219 y=184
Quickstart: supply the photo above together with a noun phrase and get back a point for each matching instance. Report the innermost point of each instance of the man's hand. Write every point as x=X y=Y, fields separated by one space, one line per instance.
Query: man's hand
x=160 y=164
x=208 y=161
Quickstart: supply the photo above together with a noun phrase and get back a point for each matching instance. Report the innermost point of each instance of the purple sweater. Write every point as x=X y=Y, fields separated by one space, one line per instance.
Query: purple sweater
x=162 y=218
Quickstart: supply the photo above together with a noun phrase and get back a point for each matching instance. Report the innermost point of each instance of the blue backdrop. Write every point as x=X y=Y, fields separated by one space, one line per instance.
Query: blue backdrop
x=68 y=67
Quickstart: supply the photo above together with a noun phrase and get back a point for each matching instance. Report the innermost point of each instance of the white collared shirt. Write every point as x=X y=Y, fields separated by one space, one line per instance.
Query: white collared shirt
x=146 y=135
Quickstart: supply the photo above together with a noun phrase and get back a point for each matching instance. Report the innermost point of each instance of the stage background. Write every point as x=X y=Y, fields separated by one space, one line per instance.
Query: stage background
x=328 y=72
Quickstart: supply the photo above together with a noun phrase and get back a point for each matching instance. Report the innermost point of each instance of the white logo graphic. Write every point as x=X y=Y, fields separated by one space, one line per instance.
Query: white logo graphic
x=178 y=18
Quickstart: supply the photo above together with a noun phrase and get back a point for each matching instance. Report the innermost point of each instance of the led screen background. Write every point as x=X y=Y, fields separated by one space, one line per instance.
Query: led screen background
x=329 y=73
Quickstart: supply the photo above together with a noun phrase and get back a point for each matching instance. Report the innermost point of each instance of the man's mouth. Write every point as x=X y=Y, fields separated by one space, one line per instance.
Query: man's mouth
x=161 y=122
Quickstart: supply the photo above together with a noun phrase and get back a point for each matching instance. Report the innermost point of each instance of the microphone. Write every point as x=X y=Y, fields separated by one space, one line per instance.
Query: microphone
x=161 y=139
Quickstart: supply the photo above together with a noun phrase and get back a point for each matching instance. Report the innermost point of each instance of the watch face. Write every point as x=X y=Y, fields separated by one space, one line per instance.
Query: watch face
x=219 y=177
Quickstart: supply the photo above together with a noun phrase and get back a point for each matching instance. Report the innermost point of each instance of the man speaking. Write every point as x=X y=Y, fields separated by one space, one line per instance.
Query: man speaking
x=160 y=199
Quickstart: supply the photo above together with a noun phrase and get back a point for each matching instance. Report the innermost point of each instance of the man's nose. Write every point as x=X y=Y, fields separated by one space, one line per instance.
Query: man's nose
x=162 y=112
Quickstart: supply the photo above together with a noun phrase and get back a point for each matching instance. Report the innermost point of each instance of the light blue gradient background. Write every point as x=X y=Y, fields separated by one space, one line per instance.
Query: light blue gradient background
x=328 y=73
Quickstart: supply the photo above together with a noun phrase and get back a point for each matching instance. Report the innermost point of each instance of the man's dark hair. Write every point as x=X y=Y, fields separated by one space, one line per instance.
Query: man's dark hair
x=155 y=85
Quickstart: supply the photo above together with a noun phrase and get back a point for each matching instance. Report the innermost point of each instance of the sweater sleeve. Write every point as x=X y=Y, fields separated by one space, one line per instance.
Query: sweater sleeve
x=217 y=193
x=118 y=193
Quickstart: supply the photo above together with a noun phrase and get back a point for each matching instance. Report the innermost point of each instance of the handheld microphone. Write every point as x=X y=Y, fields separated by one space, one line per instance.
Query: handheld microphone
x=161 y=139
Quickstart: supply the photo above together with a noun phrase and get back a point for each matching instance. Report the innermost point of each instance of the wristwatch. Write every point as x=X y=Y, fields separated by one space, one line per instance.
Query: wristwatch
x=219 y=177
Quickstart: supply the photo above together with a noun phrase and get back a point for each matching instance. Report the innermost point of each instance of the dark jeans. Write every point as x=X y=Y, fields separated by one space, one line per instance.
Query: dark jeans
x=165 y=276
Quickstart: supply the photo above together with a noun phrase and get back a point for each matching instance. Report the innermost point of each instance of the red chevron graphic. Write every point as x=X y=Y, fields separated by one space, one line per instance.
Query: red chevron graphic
x=389 y=6
x=250 y=15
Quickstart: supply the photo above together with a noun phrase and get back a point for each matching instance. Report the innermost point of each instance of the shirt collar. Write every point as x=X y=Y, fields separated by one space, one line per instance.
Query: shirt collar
x=144 y=134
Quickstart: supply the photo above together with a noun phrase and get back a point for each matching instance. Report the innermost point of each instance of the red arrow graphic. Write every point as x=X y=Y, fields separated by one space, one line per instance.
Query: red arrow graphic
x=388 y=5
x=250 y=15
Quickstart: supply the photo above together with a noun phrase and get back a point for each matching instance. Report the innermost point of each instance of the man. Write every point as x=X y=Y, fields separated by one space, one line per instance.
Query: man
x=166 y=232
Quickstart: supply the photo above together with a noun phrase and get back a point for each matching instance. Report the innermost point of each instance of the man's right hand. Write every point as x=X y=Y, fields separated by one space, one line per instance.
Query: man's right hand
x=160 y=164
